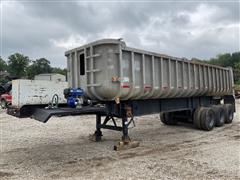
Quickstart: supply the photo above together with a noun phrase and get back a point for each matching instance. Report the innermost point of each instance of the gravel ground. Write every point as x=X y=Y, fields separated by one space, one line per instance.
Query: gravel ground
x=60 y=149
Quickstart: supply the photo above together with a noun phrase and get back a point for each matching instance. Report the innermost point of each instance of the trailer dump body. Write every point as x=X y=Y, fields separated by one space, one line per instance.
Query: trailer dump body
x=108 y=69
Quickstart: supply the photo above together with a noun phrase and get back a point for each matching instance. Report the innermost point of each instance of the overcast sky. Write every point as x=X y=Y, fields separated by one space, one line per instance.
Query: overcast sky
x=182 y=29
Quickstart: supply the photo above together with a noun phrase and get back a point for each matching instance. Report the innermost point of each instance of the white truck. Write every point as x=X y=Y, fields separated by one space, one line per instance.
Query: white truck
x=27 y=94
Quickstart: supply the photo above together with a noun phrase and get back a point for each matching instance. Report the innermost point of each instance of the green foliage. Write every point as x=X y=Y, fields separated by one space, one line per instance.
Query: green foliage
x=3 y=71
x=60 y=71
x=227 y=59
x=3 y=65
x=237 y=87
x=39 y=66
x=3 y=81
x=17 y=65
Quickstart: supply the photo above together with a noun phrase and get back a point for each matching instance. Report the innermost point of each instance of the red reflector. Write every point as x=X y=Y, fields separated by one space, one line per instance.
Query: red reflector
x=148 y=87
x=125 y=86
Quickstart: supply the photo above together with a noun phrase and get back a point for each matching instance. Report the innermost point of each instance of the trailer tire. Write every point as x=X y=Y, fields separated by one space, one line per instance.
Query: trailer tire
x=220 y=115
x=168 y=118
x=207 y=119
x=197 y=118
x=229 y=109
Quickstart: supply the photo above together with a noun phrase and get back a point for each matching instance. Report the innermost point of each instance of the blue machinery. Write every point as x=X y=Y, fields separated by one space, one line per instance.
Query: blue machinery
x=74 y=97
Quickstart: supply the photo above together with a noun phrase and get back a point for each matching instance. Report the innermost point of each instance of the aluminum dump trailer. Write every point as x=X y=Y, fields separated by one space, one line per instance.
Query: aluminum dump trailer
x=111 y=80
x=108 y=69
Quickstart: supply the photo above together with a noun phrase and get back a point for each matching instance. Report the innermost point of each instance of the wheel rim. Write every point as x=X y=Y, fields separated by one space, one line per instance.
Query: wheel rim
x=211 y=123
x=210 y=119
x=222 y=117
x=230 y=115
x=3 y=104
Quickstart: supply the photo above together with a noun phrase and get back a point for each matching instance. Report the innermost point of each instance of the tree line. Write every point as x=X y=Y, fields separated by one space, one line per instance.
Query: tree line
x=20 y=66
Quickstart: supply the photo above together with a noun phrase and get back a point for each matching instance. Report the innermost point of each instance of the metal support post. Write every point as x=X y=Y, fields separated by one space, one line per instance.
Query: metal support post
x=98 y=132
x=125 y=137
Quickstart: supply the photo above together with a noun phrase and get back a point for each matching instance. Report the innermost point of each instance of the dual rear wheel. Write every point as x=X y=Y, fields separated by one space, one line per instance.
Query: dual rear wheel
x=205 y=118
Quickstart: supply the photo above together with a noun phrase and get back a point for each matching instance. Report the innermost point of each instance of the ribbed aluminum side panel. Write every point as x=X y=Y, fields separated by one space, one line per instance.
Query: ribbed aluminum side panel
x=113 y=70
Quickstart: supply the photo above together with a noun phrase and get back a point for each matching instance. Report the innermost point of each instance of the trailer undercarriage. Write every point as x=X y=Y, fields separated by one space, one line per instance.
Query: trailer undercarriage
x=172 y=111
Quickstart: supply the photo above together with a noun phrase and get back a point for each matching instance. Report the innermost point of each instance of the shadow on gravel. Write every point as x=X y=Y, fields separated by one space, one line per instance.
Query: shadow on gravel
x=6 y=174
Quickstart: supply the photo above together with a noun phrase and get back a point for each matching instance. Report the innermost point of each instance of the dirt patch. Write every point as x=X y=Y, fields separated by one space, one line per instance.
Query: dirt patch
x=237 y=137
x=6 y=174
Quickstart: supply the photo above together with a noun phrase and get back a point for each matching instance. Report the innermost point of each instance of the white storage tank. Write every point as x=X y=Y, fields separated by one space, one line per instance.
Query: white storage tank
x=107 y=69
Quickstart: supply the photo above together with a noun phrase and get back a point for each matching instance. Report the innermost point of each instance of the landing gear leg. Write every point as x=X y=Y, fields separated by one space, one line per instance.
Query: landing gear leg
x=125 y=137
x=126 y=142
x=97 y=136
